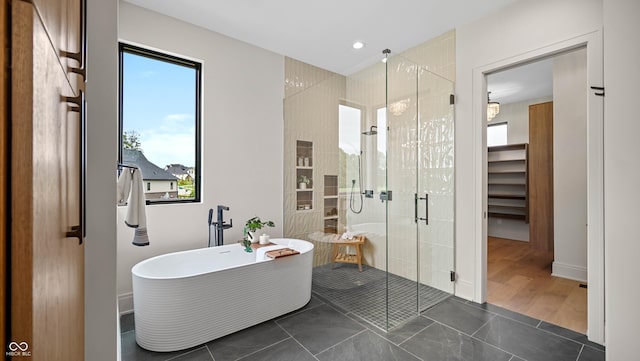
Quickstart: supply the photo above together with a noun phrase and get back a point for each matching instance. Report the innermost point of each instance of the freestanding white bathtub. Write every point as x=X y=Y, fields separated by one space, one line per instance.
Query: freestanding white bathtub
x=184 y=299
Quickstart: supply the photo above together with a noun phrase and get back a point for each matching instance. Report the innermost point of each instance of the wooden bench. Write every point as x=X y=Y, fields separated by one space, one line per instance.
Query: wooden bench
x=340 y=250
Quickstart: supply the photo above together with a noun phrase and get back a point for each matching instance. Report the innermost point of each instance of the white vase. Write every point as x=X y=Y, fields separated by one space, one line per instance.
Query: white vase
x=253 y=236
x=264 y=239
x=302 y=185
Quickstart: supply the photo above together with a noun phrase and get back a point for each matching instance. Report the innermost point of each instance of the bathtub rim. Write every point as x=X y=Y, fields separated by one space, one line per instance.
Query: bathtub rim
x=273 y=240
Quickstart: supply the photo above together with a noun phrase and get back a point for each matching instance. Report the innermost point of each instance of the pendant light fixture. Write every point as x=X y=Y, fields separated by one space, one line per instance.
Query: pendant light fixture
x=493 y=108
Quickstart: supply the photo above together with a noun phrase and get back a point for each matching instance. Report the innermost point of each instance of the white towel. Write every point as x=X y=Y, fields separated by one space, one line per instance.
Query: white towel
x=131 y=191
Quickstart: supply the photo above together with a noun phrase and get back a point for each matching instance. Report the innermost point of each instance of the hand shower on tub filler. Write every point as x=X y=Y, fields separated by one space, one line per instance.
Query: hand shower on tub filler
x=220 y=225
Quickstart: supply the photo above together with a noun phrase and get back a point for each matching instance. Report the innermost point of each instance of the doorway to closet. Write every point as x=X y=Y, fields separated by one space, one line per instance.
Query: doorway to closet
x=537 y=189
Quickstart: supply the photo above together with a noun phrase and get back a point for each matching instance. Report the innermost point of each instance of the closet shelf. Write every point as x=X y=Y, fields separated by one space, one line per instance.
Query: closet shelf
x=508 y=180
x=507 y=196
x=508 y=216
x=507 y=172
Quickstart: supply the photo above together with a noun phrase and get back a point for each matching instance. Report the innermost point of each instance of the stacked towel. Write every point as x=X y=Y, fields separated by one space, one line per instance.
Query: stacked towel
x=131 y=192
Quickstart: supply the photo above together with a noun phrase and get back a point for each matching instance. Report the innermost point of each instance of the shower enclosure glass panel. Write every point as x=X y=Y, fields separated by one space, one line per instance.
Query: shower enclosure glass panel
x=385 y=135
x=435 y=182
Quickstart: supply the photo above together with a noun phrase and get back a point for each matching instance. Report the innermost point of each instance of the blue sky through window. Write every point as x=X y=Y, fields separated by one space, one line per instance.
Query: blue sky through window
x=159 y=102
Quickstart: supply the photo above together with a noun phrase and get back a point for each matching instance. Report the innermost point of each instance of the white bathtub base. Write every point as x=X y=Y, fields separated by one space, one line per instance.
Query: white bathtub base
x=175 y=314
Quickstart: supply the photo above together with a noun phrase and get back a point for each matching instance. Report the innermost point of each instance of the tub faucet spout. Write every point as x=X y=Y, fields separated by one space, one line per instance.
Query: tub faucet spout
x=220 y=225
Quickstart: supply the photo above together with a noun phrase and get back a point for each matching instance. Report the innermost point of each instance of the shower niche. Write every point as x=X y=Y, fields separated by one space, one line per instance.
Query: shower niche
x=304 y=175
x=331 y=204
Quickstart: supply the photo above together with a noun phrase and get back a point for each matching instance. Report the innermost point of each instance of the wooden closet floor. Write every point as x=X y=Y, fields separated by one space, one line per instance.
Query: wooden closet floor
x=519 y=279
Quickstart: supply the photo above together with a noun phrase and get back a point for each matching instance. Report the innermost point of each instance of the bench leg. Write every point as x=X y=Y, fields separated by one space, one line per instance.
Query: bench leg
x=359 y=257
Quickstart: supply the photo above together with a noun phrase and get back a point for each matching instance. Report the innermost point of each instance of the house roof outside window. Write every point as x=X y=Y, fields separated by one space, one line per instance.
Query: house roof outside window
x=149 y=170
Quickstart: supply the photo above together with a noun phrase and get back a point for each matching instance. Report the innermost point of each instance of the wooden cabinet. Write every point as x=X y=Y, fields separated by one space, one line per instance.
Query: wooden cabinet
x=47 y=267
x=541 y=175
x=63 y=21
x=508 y=189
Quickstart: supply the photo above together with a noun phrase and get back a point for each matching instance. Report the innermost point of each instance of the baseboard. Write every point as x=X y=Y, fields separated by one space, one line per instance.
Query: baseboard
x=464 y=289
x=571 y=272
x=125 y=303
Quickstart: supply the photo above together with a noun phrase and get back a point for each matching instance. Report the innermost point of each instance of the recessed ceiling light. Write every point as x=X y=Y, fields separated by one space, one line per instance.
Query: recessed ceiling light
x=384 y=60
x=358 y=45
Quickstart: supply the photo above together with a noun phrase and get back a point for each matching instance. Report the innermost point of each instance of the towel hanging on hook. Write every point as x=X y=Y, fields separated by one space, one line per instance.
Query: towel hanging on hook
x=131 y=194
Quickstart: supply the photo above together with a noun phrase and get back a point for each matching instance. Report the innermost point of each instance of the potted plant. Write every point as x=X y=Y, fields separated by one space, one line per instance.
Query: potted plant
x=253 y=225
x=303 y=181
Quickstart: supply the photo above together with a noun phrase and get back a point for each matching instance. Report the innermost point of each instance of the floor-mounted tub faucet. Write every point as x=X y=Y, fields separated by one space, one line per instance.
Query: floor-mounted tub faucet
x=219 y=225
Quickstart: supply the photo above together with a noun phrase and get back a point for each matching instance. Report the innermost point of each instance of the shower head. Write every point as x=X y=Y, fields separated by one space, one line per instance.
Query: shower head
x=372 y=131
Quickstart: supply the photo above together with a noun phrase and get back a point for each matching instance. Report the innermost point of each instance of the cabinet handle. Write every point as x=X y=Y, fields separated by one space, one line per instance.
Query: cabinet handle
x=80 y=230
x=81 y=55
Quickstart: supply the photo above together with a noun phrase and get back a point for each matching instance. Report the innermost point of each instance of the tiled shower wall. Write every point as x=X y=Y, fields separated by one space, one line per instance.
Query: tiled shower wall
x=311 y=114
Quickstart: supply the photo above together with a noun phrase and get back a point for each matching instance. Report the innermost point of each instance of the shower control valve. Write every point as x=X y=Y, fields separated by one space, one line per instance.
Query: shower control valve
x=368 y=193
x=386 y=196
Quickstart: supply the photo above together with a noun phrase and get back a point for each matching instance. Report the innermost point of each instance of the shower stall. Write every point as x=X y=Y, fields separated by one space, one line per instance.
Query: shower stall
x=377 y=150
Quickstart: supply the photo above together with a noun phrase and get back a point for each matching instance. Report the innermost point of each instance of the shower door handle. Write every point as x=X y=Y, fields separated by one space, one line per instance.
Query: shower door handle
x=426 y=208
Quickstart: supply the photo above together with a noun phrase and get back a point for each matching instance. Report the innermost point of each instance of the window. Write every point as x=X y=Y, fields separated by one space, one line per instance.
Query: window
x=349 y=119
x=160 y=98
x=496 y=134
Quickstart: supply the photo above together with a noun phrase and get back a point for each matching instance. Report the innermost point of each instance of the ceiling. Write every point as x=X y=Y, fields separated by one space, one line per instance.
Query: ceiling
x=321 y=33
x=524 y=82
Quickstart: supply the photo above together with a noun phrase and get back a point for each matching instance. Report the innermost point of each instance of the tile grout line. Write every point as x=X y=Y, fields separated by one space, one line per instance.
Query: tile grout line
x=411 y=353
x=412 y=336
x=208 y=350
x=484 y=324
x=431 y=324
x=346 y=339
x=297 y=312
x=386 y=333
x=264 y=348
x=473 y=304
x=298 y=342
x=563 y=337
x=186 y=353
x=478 y=339
x=580 y=353
x=536 y=327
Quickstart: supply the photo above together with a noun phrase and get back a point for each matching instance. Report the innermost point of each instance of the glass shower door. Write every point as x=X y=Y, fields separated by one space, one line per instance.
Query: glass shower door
x=419 y=166
x=435 y=187
x=401 y=184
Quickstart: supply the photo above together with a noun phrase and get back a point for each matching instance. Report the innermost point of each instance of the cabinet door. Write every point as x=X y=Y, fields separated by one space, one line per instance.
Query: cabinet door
x=62 y=21
x=47 y=268
x=4 y=164
x=541 y=176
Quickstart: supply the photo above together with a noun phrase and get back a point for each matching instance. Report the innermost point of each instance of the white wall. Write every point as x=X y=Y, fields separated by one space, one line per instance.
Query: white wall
x=101 y=316
x=516 y=115
x=622 y=176
x=570 y=165
x=242 y=138
x=524 y=28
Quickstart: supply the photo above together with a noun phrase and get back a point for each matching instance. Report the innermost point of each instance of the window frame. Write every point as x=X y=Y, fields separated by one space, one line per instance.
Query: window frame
x=173 y=59
x=505 y=123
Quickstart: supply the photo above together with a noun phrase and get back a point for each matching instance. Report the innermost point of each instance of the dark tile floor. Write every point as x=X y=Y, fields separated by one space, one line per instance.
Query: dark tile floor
x=452 y=330
x=364 y=294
